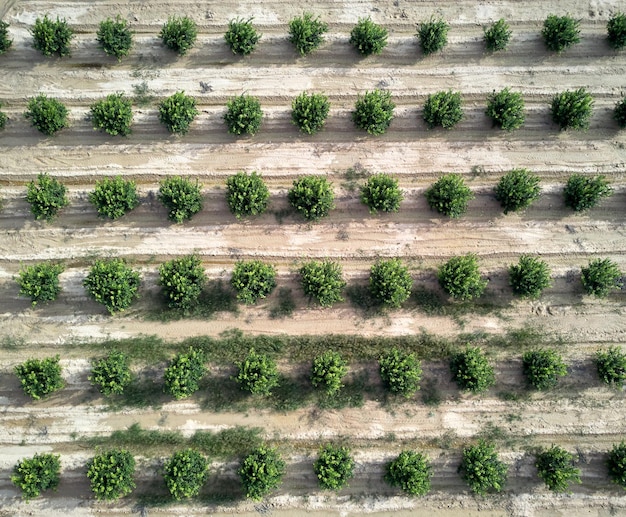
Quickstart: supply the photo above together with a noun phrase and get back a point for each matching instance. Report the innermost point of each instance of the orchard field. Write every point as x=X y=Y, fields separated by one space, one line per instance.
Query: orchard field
x=581 y=414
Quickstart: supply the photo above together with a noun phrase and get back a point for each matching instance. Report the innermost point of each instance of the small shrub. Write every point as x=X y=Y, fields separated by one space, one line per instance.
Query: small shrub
x=367 y=37
x=111 y=374
x=309 y=112
x=241 y=36
x=3 y=119
x=185 y=473
x=328 y=371
x=307 y=33
x=114 y=114
x=572 y=109
x=373 y=112
x=183 y=375
x=112 y=474
x=411 y=471
x=433 y=35
x=257 y=374
x=52 y=37
x=243 y=115
x=40 y=282
x=616 y=464
x=253 y=280
x=261 y=471
x=449 y=195
x=114 y=197
x=47 y=196
x=529 y=277
x=115 y=37
x=611 y=365
x=616 y=31
x=5 y=41
x=506 y=109
x=584 y=192
x=619 y=113
x=323 y=281
x=443 y=109
x=312 y=197
x=246 y=194
x=177 y=112
x=334 y=467
x=40 y=377
x=555 y=466
x=112 y=283
x=543 y=368
x=497 y=36
x=179 y=34
x=181 y=197
x=181 y=282
x=381 y=192
x=37 y=474
x=601 y=276
x=517 y=189
x=401 y=372
x=460 y=277
x=471 y=370
x=46 y=114
x=390 y=282
x=560 y=32
x=482 y=469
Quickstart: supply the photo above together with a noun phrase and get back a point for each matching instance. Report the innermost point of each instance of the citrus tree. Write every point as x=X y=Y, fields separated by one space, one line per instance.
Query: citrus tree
x=411 y=471
x=381 y=192
x=323 y=281
x=401 y=372
x=111 y=374
x=306 y=32
x=309 y=112
x=115 y=37
x=5 y=40
x=112 y=283
x=542 y=368
x=113 y=114
x=443 y=109
x=179 y=34
x=572 y=109
x=449 y=195
x=183 y=375
x=241 y=36
x=46 y=196
x=261 y=471
x=312 y=197
x=37 y=474
x=471 y=370
x=433 y=35
x=616 y=30
x=482 y=469
x=619 y=113
x=560 y=32
x=555 y=466
x=390 y=282
x=517 y=189
x=246 y=194
x=257 y=373
x=40 y=282
x=328 y=371
x=177 y=112
x=497 y=35
x=611 y=366
x=529 y=277
x=373 y=112
x=584 y=192
x=40 y=377
x=506 y=109
x=181 y=197
x=112 y=474
x=52 y=37
x=334 y=467
x=368 y=37
x=46 y=114
x=185 y=472
x=600 y=277
x=181 y=281
x=253 y=280
x=460 y=278
x=114 y=197
x=616 y=464
x=243 y=115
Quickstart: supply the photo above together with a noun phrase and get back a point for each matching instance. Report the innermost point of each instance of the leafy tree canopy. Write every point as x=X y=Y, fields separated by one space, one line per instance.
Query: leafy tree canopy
x=46 y=114
x=181 y=197
x=471 y=370
x=37 y=474
x=616 y=30
x=449 y=195
x=177 y=112
x=584 y=192
x=5 y=41
x=241 y=36
x=112 y=283
x=390 y=282
x=411 y=471
x=517 y=189
x=616 y=464
x=619 y=113
x=40 y=377
x=46 y=196
x=529 y=277
x=114 y=114
x=401 y=372
x=322 y=280
x=115 y=37
x=482 y=469
x=253 y=280
x=560 y=32
x=572 y=109
x=243 y=115
x=246 y=194
x=312 y=197
x=443 y=109
x=543 y=368
x=506 y=109
x=555 y=466
x=112 y=474
x=3 y=118
x=367 y=37
x=185 y=473
x=183 y=375
x=334 y=467
x=460 y=278
x=181 y=281
x=611 y=365
x=40 y=282
x=433 y=35
x=111 y=374
x=179 y=34
x=114 y=197
x=498 y=35
x=328 y=371
x=306 y=32
x=373 y=112
x=261 y=471
x=381 y=192
x=257 y=373
x=309 y=112
x=600 y=277
x=52 y=37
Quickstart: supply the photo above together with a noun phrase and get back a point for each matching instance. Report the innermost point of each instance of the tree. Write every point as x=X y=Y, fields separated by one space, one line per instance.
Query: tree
x=542 y=368
x=560 y=32
x=517 y=189
x=390 y=282
x=616 y=30
x=52 y=37
x=601 y=276
x=37 y=474
x=181 y=197
x=243 y=115
x=179 y=34
x=253 y=280
x=247 y=194
x=261 y=471
x=367 y=37
x=460 y=277
x=40 y=377
x=177 y=112
x=114 y=114
x=619 y=113
x=185 y=473
x=181 y=281
x=307 y=33
x=46 y=114
x=555 y=466
x=241 y=36
x=257 y=373
x=5 y=41
x=482 y=469
x=401 y=372
x=443 y=109
x=3 y=115
x=529 y=277
x=584 y=192
x=611 y=365
x=506 y=109
x=312 y=197
x=115 y=37
x=471 y=370
x=111 y=374
x=114 y=197
x=433 y=35
x=497 y=36
x=411 y=471
x=328 y=371
x=309 y=112
x=112 y=283
x=112 y=474
x=47 y=196
x=323 y=281
x=40 y=282
x=381 y=192
x=572 y=109
x=183 y=375
x=334 y=467
x=616 y=464
x=373 y=112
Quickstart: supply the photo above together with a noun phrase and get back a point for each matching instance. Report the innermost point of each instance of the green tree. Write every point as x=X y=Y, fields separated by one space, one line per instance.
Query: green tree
x=584 y=192
x=443 y=109
x=328 y=371
x=185 y=473
x=111 y=374
x=449 y=195
x=307 y=33
x=460 y=277
x=243 y=115
x=181 y=281
x=181 y=197
x=401 y=372
x=555 y=466
x=367 y=37
x=390 y=282
x=114 y=197
x=114 y=114
x=529 y=277
x=179 y=34
x=616 y=30
x=246 y=194
x=309 y=112
x=112 y=474
x=257 y=373
x=112 y=283
x=253 y=280
x=177 y=112
x=433 y=35
x=381 y=192
x=183 y=375
x=115 y=37
x=52 y=37
x=37 y=474
x=312 y=197
x=619 y=113
x=611 y=365
x=40 y=377
x=601 y=276
x=47 y=196
x=46 y=114
x=411 y=471
x=497 y=36
x=517 y=189
x=560 y=32
x=261 y=471
x=322 y=280
x=482 y=469
x=241 y=36
x=616 y=464
x=5 y=41
x=334 y=467
x=471 y=370
x=572 y=109
x=506 y=109
x=40 y=282
x=373 y=112
x=542 y=368
x=3 y=115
